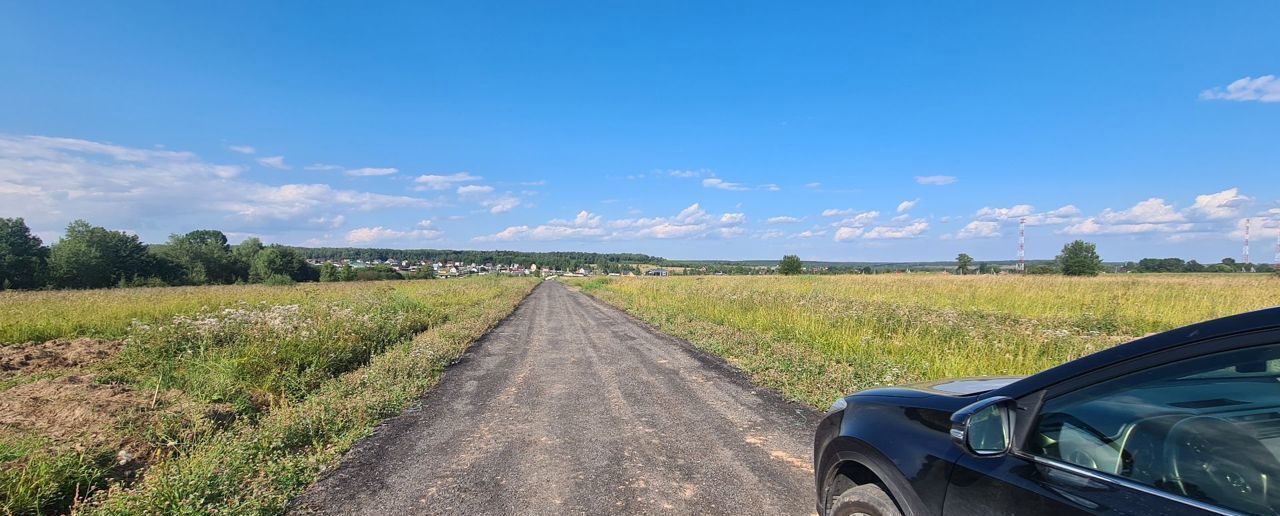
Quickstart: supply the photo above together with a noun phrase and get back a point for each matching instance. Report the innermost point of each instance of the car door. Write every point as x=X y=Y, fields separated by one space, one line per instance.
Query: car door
x=1193 y=430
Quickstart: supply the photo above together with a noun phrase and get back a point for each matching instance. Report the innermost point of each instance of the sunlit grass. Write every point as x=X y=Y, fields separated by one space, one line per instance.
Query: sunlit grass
x=817 y=337
x=252 y=389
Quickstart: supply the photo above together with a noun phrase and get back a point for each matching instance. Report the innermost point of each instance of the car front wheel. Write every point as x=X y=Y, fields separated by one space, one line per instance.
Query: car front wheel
x=866 y=499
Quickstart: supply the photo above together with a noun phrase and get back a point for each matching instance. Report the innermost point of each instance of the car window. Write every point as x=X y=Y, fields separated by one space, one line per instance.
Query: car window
x=1205 y=428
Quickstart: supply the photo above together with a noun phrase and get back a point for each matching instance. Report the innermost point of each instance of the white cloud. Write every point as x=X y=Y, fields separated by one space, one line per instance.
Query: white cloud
x=980 y=229
x=1150 y=211
x=889 y=232
x=330 y=222
x=1063 y=215
x=772 y=234
x=688 y=173
x=935 y=180
x=691 y=222
x=814 y=185
x=1091 y=226
x=907 y=205
x=1221 y=205
x=501 y=204
x=584 y=219
x=811 y=233
x=52 y=181
x=770 y=187
x=714 y=182
x=372 y=171
x=783 y=219
x=847 y=234
x=380 y=234
x=442 y=182
x=733 y=218
x=1016 y=211
x=322 y=167
x=473 y=190
x=1262 y=89
x=243 y=149
x=276 y=162
x=858 y=219
x=833 y=212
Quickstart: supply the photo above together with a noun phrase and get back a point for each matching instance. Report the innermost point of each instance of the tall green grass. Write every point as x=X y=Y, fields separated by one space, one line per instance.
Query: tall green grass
x=252 y=393
x=817 y=337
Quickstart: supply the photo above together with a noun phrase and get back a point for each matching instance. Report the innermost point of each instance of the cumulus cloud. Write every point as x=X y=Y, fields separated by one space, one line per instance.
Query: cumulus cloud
x=980 y=229
x=811 y=233
x=1150 y=211
x=361 y=236
x=324 y=167
x=856 y=219
x=372 y=171
x=905 y=206
x=783 y=219
x=442 y=182
x=691 y=222
x=1013 y=212
x=243 y=149
x=276 y=162
x=935 y=180
x=834 y=212
x=501 y=204
x=912 y=230
x=770 y=187
x=1221 y=205
x=1262 y=89
x=52 y=181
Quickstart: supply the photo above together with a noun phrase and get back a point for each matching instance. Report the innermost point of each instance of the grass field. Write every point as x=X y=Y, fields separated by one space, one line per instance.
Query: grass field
x=815 y=338
x=230 y=398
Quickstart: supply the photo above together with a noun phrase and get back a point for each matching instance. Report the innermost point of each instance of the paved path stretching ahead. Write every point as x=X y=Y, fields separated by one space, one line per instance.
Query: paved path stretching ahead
x=570 y=406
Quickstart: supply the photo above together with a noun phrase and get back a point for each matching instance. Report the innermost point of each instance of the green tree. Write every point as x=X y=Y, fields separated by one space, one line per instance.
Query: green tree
x=1079 y=258
x=23 y=258
x=790 y=265
x=278 y=260
x=328 y=272
x=204 y=256
x=94 y=257
x=243 y=255
x=347 y=273
x=963 y=263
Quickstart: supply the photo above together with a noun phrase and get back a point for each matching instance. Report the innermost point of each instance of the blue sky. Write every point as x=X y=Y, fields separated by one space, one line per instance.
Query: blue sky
x=734 y=130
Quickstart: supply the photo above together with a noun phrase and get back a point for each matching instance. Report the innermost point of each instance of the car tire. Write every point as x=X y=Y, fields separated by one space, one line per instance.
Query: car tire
x=866 y=499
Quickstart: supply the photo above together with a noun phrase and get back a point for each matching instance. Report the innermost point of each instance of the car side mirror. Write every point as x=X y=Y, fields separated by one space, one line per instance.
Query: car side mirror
x=984 y=428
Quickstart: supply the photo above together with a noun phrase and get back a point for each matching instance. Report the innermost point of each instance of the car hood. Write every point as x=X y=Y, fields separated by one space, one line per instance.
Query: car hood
x=955 y=387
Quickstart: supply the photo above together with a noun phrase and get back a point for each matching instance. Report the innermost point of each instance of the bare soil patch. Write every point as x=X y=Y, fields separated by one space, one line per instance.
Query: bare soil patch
x=71 y=409
x=55 y=354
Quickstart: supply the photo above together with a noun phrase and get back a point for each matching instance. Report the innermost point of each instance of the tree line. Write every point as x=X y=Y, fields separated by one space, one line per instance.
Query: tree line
x=89 y=256
x=1180 y=265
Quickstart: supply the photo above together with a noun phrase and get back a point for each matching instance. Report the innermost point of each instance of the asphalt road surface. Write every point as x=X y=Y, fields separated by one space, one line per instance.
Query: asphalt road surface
x=570 y=406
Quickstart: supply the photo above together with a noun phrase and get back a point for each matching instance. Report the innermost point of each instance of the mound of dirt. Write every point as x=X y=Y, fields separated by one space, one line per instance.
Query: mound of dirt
x=54 y=354
x=71 y=409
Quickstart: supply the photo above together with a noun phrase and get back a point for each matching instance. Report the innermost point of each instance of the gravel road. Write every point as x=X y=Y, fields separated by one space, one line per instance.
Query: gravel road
x=570 y=406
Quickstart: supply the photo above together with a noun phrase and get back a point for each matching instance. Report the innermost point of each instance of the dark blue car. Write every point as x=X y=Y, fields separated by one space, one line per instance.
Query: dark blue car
x=1183 y=422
